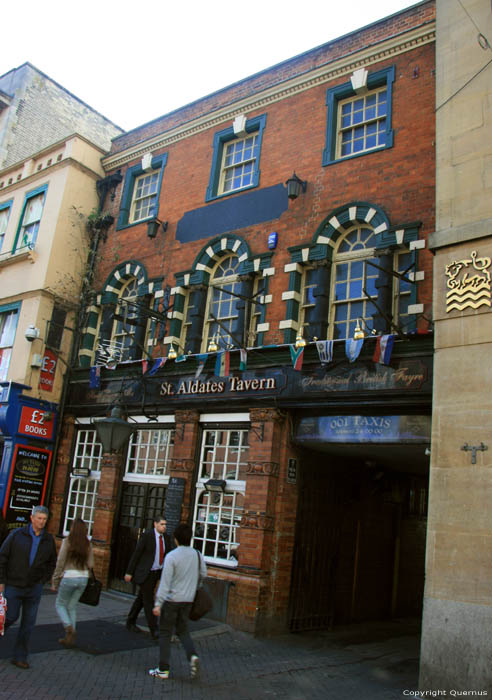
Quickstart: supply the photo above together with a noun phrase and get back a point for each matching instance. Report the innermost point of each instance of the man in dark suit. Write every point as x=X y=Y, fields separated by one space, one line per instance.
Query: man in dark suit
x=145 y=568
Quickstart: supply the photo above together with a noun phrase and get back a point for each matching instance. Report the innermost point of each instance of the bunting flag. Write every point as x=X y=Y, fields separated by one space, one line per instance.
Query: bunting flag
x=181 y=358
x=243 y=359
x=325 y=351
x=108 y=354
x=95 y=377
x=160 y=362
x=353 y=348
x=297 y=355
x=201 y=359
x=384 y=348
x=145 y=366
x=222 y=363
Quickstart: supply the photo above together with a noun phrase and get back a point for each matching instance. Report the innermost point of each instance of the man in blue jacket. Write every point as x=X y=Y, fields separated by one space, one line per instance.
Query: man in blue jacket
x=27 y=561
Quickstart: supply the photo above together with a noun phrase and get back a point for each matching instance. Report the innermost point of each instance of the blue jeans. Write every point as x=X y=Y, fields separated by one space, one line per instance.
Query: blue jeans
x=174 y=615
x=25 y=599
x=68 y=596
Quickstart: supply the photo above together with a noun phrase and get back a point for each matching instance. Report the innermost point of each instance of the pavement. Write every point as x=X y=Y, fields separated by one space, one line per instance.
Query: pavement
x=364 y=662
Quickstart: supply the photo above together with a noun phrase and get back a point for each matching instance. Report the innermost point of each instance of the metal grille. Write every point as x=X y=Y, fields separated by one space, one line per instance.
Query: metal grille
x=316 y=551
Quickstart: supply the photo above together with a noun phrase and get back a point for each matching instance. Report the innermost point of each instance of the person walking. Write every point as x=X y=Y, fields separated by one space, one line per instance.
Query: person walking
x=4 y=530
x=75 y=559
x=145 y=568
x=184 y=570
x=27 y=561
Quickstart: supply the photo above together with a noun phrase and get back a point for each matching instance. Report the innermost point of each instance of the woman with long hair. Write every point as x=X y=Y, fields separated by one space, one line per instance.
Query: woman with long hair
x=75 y=559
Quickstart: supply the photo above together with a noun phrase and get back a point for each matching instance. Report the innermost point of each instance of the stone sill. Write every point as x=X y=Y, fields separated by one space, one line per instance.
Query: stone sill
x=18 y=257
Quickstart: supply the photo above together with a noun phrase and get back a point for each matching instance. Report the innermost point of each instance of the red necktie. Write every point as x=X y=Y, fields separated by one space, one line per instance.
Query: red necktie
x=161 y=550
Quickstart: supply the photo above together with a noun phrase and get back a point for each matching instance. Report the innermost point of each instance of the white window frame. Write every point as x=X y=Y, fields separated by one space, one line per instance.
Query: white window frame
x=222 y=535
x=399 y=294
x=357 y=255
x=223 y=340
x=365 y=122
x=145 y=203
x=140 y=451
x=4 y=220
x=81 y=502
x=304 y=303
x=123 y=335
x=235 y=169
x=9 y=319
x=28 y=229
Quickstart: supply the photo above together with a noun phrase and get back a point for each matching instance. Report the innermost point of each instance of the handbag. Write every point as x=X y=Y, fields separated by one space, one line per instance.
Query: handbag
x=92 y=591
x=202 y=603
x=3 y=613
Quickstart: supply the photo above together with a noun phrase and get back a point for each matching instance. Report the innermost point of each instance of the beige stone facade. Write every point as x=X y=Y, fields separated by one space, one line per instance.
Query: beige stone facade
x=456 y=640
x=34 y=278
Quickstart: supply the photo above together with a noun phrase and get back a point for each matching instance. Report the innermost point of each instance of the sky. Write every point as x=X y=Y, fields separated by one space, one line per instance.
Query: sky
x=135 y=61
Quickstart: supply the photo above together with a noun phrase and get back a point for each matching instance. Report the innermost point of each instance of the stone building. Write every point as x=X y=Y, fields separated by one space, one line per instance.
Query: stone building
x=48 y=178
x=36 y=112
x=456 y=643
x=261 y=315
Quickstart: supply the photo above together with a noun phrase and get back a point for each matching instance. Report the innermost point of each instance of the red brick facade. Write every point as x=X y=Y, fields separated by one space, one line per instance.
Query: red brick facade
x=398 y=181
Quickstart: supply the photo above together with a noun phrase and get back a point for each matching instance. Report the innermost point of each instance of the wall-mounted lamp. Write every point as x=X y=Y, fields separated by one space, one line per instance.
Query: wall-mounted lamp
x=295 y=186
x=113 y=432
x=153 y=227
x=212 y=346
x=216 y=485
x=358 y=333
x=359 y=329
x=300 y=342
x=172 y=354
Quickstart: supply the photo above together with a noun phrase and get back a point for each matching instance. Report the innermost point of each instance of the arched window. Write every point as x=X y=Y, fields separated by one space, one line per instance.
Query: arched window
x=353 y=283
x=222 y=305
x=126 y=319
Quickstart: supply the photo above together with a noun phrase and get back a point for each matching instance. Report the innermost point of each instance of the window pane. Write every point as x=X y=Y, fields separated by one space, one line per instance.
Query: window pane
x=218 y=515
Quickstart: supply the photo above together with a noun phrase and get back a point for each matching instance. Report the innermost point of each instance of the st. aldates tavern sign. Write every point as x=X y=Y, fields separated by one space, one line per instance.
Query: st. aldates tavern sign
x=409 y=374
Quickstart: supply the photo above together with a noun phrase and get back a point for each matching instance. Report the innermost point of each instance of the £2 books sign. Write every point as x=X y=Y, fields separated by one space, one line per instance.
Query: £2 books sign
x=36 y=423
x=48 y=370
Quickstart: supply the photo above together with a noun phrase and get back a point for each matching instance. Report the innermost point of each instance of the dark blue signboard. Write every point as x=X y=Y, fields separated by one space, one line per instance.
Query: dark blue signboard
x=364 y=429
x=27 y=428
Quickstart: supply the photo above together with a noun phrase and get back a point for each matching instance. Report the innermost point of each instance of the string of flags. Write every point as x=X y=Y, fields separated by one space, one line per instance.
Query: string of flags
x=353 y=348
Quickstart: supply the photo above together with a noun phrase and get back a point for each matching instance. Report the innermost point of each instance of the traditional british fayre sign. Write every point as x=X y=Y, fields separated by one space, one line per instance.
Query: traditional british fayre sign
x=469 y=283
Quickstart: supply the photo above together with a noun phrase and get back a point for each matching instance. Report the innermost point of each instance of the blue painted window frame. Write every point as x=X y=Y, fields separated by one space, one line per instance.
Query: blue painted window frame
x=29 y=195
x=158 y=163
x=256 y=124
x=375 y=80
x=3 y=206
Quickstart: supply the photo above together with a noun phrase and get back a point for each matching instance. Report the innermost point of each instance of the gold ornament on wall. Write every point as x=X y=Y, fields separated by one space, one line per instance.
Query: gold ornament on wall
x=468 y=283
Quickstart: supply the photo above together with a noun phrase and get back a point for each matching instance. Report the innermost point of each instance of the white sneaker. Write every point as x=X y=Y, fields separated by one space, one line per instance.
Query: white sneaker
x=157 y=673
x=194 y=666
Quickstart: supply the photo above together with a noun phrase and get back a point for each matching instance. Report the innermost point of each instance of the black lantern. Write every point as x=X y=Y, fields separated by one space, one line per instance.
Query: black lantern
x=216 y=485
x=295 y=186
x=153 y=227
x=113 y=432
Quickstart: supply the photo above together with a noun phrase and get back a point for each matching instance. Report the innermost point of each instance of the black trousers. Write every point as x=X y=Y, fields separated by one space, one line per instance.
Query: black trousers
x=145 y=600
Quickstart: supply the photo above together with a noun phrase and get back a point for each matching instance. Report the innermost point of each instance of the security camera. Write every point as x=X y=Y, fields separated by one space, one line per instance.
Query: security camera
x=31 y=333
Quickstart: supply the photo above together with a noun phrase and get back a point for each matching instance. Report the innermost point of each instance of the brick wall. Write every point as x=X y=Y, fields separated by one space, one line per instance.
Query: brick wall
x=399 y=179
